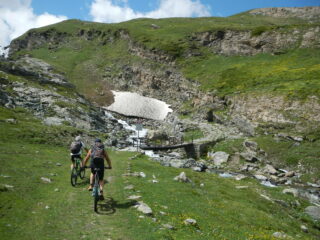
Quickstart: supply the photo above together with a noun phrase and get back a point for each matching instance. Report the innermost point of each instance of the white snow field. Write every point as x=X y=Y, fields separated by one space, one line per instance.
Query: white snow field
x=135 y=105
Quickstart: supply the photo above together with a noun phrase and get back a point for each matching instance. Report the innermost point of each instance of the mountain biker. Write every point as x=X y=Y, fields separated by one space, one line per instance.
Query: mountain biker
x=76 y=149
x=97 y=154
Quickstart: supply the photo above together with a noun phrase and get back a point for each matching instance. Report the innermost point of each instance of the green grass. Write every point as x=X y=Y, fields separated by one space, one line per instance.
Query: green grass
x=221 y=210
x=294 y=74
x=285 y=154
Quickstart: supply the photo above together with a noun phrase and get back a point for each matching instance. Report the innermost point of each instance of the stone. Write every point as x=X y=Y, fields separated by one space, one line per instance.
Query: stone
x=142 y=174
x=177 y=163
x=47 y=207
x=313 y=212
x=279 y=235
x=144 y=208
x=168 y=226
x=240 y=177
x=249 y=156
x=56 y=189
x=134 y=197
x=182 y=177
x=290 y=174
x=190 y=221
x=269 y=169
x=197 y=169
x=242 y=187
x=11 y=120
x=260 y=177
x=304 y=228
x=46 y=180
x=129 y=187
x=291 y=191
x=201 y=184
x=219 y=157
x=251 y=145
x=154 y=181
x=58 y=164
x=162 y=213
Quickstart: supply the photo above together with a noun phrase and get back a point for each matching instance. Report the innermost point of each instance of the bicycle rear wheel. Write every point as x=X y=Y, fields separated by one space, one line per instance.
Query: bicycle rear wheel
x=74 y=176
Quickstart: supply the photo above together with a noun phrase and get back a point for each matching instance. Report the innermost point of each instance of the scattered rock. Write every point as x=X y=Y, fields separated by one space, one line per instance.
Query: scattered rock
x=46 y=180
x=201 y=184
x=144 y=208
x=260 y=177
x=197 y=169
x=5 y=188
x=241 y=187
x=269 y=169
x=218 y=157
x=56 y=190
x=11 y=120
x=141 y=216
x=279 y=235
x=182 y=178
x=190 y=221
x=47 y=207
x=240 y=177
x=154 y=181
x=251 y=145
x=134 y=197
x=290 y=174
x=304 y=228
x=249 y=156
x=168 y=226
x=129 y=187
x=142 y=174
x=58 y=164
x=162 y=213
x=313 y=212
x=291 y=191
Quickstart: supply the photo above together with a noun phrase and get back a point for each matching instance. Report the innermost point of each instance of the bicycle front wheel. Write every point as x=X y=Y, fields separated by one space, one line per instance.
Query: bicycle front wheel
x=74 y=176
x=82 y=173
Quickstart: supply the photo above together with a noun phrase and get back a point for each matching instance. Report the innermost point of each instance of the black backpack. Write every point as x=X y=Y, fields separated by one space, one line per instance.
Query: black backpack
x=75 y=147
x=97 y=151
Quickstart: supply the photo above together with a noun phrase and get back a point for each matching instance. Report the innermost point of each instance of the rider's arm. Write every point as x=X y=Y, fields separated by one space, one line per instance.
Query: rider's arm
x=107 y=159
x=86 y=158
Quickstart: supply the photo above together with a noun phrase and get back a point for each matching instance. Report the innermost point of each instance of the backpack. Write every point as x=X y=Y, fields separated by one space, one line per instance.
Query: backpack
x=75 y=147
x=97 y=151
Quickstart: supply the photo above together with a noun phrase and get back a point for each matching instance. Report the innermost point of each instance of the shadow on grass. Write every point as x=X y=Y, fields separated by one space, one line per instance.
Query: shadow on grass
x=109 y=206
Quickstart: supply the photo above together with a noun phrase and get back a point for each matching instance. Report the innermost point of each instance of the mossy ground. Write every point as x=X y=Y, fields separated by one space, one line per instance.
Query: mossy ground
x=221 y=210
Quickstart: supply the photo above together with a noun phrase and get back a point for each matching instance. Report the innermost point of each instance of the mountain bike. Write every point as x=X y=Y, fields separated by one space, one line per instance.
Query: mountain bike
x=76 y=171
x=96 y=188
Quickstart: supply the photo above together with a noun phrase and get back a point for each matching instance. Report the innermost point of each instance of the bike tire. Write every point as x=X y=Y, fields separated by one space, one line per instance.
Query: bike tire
x=74 y=176
x=95 y=203
x=82 y=173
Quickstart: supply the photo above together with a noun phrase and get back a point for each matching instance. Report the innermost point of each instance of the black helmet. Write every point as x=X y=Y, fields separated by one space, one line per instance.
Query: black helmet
x=97 y=140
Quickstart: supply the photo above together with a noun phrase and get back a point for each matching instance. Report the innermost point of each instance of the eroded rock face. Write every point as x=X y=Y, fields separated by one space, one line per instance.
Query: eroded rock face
x=275 y=109
x=307 y=13
x=235 y=42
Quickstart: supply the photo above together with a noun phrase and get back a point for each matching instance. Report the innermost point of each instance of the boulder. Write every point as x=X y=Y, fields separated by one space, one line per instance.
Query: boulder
x=260 y=177
x=144 y=208
x=190 y=221
x=291 y=191
x=269 y=169
x=313 y=212
x=253 y=146
x=219 y=157
x=250 y=156
x=182 y=178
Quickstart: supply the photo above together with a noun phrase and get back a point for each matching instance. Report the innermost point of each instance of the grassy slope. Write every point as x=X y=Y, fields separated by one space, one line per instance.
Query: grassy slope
x=294 y=73
x=222 y=212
